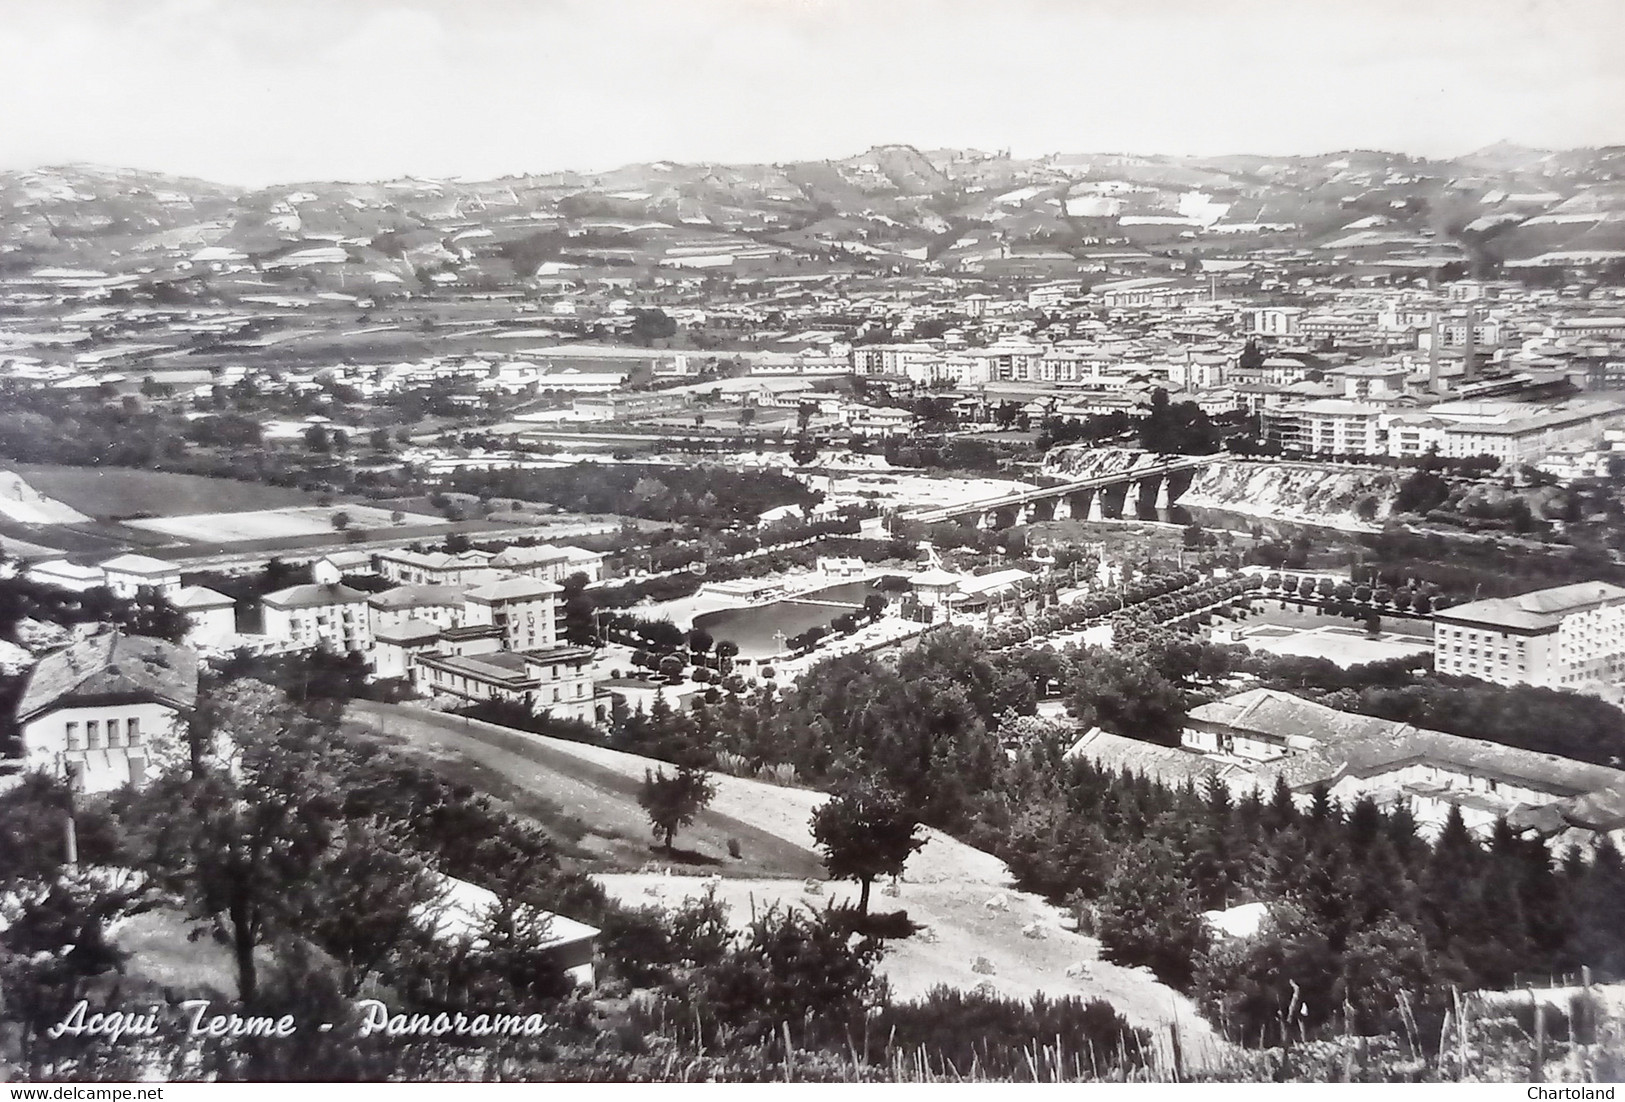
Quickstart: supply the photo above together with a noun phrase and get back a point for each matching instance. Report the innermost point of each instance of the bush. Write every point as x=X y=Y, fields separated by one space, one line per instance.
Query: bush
x=794 y=964
x=1008 y=1038
x=883 y=925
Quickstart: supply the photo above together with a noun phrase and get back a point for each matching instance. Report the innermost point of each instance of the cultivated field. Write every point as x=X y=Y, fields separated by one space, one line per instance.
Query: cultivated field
x=122 y=492
x=587 y=794
x=23 y=503
x=259 y=524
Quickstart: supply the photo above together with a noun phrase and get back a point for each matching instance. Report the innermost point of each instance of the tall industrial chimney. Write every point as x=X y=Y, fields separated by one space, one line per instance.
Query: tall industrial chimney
x=1469 y=346
x=1433 y=356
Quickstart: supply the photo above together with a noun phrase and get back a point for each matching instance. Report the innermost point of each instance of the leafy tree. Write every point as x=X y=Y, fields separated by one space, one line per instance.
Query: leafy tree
x=793 y=965
x=1286 y=968
x=1380 y=962
x=865 y=831
x=1148 y=915
x=246 y=845
x=370 y=893
x=674 y=801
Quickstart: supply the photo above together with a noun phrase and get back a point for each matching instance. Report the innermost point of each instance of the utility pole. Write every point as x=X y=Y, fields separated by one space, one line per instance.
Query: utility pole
x=71 y=830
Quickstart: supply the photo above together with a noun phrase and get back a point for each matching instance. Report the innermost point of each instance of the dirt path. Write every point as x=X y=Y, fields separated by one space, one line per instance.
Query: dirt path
x=963 y=896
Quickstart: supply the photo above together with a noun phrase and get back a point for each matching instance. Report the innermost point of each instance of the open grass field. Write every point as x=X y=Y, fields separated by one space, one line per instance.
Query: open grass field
x=587 y=796
x=259 y=524
x=1268 y=611
x=123 y=492
x=1339 y=643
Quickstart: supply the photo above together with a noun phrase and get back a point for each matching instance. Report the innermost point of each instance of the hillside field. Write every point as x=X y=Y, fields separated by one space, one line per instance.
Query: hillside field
x=587 y=796
x=106 y=492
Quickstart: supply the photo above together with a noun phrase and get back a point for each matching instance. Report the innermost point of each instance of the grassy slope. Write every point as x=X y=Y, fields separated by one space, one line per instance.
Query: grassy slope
x=588 y=794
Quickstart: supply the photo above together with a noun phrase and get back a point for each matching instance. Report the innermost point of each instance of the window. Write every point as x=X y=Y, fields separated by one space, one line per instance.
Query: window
x=72 y=730
x=93 y=734
x=112 y=732
x=132 y=732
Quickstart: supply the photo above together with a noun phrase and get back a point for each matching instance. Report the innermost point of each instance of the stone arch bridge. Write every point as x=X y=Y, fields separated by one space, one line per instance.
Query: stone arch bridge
x=1098 y=497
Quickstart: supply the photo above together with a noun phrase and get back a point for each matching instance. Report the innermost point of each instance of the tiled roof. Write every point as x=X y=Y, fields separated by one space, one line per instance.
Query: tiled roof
x=513 y=589
x=314 y=596
x=540 y=553
x=408 y=633
x=197 y=596
x=111 y=664
x=139 y=564
x=1542 y=609
x=1168 y=764
x=417 y=596
x=1364 y=746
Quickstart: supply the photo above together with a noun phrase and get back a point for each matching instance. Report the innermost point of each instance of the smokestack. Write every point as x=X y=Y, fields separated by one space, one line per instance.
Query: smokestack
x=1468 y=347
x=1433 y=356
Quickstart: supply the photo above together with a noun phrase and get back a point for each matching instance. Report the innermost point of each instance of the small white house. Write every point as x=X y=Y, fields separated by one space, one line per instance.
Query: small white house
x=92 y=711
x=66 y=575
x=462 y=909
x=127 y=575
x=212 y=615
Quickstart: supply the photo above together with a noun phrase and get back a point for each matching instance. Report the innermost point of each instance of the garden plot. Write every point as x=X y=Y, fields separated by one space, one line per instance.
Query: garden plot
x=262 y=524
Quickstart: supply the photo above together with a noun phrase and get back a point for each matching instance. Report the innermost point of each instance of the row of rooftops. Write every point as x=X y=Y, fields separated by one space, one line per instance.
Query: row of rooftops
x=322 y=595
x=1323 y=745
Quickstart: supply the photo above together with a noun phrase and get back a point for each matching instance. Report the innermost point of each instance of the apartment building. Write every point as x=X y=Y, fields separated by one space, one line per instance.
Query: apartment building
x=1518 y=433
x=554 y=680
x=1326 y=426
x=129 y=575
x=211 y=617
x=439 y=568
x=330 y=615
x=438 y=605
x=1274 y=321
x=527 y=610
x=1568 y=637
x=549 y=562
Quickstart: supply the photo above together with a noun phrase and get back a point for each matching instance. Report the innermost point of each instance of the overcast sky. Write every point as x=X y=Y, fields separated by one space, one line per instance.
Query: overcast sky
x=257 y=91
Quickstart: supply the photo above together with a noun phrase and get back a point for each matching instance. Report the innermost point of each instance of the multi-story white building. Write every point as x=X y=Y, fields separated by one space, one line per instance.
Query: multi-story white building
x=1327 y=426
x=1453 y=334
x=892 y=359
x=1274 y=321
x=1519 y=434
x=66 y=575
x=330 y=615
x=439 y=568
x=549 y=562
x=527 y=610
x=1568 y=637
x=554 y=680
x=438 y=605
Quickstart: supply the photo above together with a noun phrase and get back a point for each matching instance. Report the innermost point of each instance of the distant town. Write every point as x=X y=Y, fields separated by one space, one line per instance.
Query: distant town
x=1182 y=553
